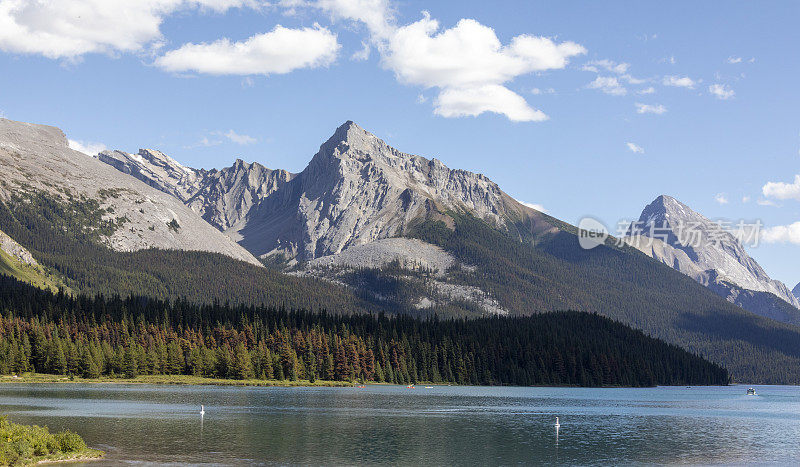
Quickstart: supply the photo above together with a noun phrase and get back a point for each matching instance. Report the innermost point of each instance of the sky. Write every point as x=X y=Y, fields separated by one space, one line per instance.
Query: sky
x=581 y=108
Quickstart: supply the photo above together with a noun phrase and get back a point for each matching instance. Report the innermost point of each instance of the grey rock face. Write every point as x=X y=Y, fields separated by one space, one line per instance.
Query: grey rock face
x=796 y=291
x=14 y=249
x=356 y=189
x=408 y=252
x=674 y=234
x=37 y=157
x=221 y=197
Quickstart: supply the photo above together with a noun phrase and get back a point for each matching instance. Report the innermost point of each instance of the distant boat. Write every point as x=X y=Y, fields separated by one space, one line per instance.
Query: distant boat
x=202 y=410
x=751 y=392
x=558 y=425
x=410 y=386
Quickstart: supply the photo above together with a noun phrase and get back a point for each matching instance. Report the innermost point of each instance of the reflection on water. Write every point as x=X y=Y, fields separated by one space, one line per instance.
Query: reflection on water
x=440 y=425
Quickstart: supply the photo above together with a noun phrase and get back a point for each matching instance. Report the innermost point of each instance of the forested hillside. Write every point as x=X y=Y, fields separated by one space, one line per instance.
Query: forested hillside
x=623 y=284
x=64 y=236
x=57 y=333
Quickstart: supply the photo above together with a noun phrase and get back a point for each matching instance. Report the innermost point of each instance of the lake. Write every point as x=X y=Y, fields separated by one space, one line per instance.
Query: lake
x=397 y=425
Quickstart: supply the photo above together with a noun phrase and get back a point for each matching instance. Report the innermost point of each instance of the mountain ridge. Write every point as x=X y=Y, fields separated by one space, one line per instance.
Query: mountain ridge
x=355 y=189
x=36 y=159
x=671 y=232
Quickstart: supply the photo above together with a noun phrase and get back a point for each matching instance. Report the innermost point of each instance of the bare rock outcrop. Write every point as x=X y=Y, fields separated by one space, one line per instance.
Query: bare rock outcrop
x=37 y=158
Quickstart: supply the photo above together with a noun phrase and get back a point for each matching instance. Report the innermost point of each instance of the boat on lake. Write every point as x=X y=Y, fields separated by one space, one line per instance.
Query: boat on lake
x=751 y=392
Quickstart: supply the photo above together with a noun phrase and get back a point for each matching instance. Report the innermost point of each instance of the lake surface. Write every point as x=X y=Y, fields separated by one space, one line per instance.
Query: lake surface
x=396 y=425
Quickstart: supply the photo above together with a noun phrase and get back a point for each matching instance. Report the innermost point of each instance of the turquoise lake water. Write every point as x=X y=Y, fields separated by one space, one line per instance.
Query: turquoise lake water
x=397 y=425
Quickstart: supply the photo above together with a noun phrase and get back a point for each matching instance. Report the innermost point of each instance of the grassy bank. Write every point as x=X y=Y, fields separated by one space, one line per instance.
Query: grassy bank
x=31 y=444
x=166 y=379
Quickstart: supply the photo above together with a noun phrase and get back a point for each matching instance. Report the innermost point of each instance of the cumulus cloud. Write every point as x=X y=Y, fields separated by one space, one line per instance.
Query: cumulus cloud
x=721 y=91
x=635 y=148
x=279 y=51
x=475 y=100
x=782 y=234
x=733 y=60
x=609 y=85
x=377 y=15
x=721 y=198
x=650 y=90
x=780 y=190
x=678 y=81
x=71 y=28
x=657 y=109
x=607 y=65
x=239 y=139
x=470 y=65
x=467 y=64
x=87 y=147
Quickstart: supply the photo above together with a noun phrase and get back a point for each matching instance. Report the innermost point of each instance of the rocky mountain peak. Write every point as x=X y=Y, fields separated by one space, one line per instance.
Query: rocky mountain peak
x=355 y=190
x=666 y=209
x=796 y=291
x=708 y=251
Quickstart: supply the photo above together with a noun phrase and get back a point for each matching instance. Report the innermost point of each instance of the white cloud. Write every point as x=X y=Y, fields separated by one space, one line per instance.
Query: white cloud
x=766 y=202
x=535 y=206
x=609 y=85
x=782 y=190
x=475 y=100
x=279 y=51
x=466 y=63
x=362 y=54
x=782 y=234
x=469 y=65
x=721 y=91
x=71 y=28
x=630 y=79
x=678 y=81
x=721 y=198
x=608 y=65
x=657 y=109
x=86 y=147
x=239 y=139
x=377 y=15
x=635 y=148
x=650 y=90
x=538 y=91
x=733 y=60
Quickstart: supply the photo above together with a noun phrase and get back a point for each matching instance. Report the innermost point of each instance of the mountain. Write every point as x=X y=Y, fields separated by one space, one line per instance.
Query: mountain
x=355 y=190
x=36 y=159
x=221 y=197
x=671 y=232
x=409 y=235
x=796 y=291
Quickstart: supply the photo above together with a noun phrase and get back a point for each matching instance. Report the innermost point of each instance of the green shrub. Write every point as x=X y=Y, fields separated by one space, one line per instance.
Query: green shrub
x=71 y=442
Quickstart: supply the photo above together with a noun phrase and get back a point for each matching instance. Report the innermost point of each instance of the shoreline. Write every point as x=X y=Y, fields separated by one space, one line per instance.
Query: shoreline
x=93 y=455
x=188 y=380
x=179 y=380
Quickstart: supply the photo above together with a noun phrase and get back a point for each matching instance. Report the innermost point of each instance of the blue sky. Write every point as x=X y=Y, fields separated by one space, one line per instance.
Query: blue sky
x=585 y=108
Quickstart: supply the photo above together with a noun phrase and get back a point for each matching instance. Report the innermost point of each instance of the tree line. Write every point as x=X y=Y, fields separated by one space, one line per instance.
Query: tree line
x=113 y=336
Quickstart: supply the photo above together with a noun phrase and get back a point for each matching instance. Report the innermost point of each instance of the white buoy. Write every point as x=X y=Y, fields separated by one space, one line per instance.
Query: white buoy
x=558 y=425
x=202 y=410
